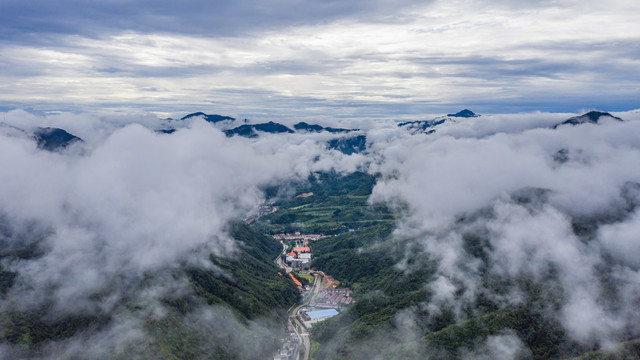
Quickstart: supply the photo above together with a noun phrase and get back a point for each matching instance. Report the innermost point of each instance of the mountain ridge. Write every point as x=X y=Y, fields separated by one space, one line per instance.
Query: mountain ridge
x=251 y=130
x=318 y=128
x=214 y=118
x=54 y=139
x=591 y=117
x=422 y=125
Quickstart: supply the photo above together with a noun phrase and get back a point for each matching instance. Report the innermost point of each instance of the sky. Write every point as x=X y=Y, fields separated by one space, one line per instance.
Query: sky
x=334 y=59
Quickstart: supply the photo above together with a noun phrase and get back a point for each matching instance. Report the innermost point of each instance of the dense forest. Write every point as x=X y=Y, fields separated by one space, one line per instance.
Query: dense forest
x=390 y=274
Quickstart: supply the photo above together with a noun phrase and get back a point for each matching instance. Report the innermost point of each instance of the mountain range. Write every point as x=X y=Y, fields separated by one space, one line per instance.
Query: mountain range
x=429 y=126
x=56 y=139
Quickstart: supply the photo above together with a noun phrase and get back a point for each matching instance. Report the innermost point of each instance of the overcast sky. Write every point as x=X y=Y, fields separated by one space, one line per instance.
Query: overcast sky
x=299 y=58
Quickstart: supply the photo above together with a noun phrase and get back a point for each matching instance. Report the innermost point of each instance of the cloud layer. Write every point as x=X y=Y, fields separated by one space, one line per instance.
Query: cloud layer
x=135 y=201
x=569 y=223
x=129 y=201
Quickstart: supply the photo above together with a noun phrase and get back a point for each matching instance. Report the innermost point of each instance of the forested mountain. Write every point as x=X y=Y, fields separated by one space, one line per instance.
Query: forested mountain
x=349 y=144
x=197 y=310
x=388 y=272
x=53 y=139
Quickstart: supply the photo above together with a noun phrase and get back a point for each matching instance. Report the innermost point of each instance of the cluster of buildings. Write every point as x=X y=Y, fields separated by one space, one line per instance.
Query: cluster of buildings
x=290 y=345
x=298 y=236
x=333 y=298
x=300 y=256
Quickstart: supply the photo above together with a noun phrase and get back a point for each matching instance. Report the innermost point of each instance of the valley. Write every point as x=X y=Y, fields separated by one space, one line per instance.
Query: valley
x=365 y=262
x=403 y=244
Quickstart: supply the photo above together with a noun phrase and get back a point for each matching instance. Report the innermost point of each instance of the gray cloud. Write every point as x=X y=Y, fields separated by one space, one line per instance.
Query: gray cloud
x=25 y=22
x=358 y=59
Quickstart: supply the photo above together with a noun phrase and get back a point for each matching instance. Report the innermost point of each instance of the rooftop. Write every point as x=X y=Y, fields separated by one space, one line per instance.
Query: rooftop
x=322 y=313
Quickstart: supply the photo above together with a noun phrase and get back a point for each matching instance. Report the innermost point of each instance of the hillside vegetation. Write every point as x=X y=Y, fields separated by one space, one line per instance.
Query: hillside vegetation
x=237 y=299
x=392 y=275
x=388 y=283
x=338 y=203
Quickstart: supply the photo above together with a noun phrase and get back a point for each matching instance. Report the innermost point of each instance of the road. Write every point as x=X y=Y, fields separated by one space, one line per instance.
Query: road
x=278 y=259
x=317 y=284
x=303 y=335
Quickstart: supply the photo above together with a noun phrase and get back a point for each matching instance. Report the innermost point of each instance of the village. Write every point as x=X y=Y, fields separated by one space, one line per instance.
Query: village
x=321 y=297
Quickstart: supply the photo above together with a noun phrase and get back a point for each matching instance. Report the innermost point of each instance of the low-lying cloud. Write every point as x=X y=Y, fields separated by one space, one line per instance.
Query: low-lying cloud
x=110 y=218
x=134 y=201
x=571 y=223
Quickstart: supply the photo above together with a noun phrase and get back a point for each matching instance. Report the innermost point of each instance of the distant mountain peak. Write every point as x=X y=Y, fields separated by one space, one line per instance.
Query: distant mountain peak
x=308 y=127
x=427 y=126
x=209 y=118
x=595 y=115
x=53 y=139
x=249 y=130
x=592 y=117
x=466 y=113
x=303 y=126
x=193 y=115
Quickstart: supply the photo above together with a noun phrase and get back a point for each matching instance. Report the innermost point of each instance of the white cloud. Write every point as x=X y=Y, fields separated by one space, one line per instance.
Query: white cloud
x=138 y=201
x=461 y=180
x=500 y=347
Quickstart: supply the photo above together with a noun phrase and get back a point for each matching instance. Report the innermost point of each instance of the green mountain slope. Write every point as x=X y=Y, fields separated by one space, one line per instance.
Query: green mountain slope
x=389 y=276
x=333 y=203
x=236 y=300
